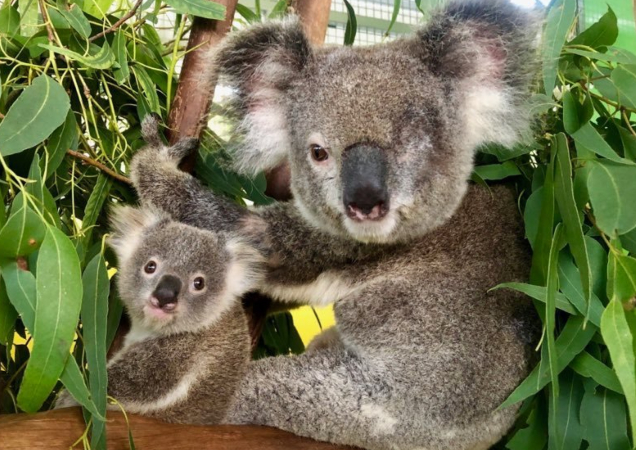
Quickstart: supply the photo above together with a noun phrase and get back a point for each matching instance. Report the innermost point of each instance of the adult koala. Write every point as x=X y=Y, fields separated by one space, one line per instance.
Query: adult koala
x=380 y=141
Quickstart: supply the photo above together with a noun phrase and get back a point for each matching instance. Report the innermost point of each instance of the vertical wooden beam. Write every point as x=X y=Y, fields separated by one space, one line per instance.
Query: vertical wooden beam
x=314 y=15
x=191 y=105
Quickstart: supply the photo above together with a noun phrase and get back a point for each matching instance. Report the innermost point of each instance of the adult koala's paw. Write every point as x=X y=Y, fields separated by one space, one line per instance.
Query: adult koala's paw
x=156 y=156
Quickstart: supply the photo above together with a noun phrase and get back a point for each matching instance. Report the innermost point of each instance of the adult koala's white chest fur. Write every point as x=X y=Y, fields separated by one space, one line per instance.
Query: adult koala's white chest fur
x=380 y=142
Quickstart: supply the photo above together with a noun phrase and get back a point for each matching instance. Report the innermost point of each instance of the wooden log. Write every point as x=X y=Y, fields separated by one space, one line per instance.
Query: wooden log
x=61 y=428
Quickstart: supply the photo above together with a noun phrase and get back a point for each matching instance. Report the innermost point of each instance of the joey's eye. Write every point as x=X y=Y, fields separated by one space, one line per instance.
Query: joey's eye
x=318 y=153
x=150 y=267
x=198 y=283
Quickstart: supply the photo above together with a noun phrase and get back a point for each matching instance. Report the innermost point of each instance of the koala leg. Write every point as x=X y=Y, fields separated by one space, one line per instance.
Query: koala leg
x=334 y=395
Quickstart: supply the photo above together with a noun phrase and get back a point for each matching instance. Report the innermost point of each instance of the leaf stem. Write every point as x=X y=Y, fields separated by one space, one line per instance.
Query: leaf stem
x=117 y=24
x=91 y=162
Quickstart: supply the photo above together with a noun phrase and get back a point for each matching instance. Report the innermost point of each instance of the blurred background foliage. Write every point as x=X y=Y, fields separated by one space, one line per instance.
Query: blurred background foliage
x=75 y=83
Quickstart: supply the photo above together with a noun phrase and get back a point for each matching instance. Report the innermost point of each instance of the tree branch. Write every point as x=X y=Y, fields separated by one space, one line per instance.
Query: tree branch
x=91 y=162
x=117 y=24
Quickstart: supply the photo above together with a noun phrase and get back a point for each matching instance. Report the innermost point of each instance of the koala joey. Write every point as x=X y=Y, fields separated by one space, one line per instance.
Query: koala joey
x=380 y=142
x=188 y=346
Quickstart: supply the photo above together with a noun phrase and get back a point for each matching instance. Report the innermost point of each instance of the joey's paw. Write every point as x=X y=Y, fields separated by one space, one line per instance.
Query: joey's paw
x=65 y=400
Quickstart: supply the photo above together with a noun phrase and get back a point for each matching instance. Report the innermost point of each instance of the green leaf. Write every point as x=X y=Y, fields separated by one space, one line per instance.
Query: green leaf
x=352 y=24
x=611 y=187
x=600 y=34
x=572 y=340
x=247 y=14
x=497 y=171
x=590 y=140
x=279 y=9
x=94 y=317
x=619 y=341
x=534 y=436
x=570 y=284
x=9 y=20
x=148 y=87
x=24 y=231
x=575 y=115
x=629 y=241
x=96 y=8
x=103 y=59
x=62 y=139
x=21 y=287
x=57 y=20
x=76 y=19
x=531 y=215
x=394 y=16
x=542 y=241
x=564 y=193
x=8 y=314
x=95 y=206
x=121 y=56
x=539 y=293
x=624 y=78
x=613 y=56
x=588 y=366
x=115 y=310
x=621 y=277
x=39 y=110
x=566 y=432
x=560 y=18
x=59 y=298
x=21 y=290
x=603 y=417
x=200 y=8
x=550 y=313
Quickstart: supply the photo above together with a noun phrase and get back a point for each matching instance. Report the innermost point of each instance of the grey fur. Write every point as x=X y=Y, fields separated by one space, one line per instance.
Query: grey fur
x=423 y=354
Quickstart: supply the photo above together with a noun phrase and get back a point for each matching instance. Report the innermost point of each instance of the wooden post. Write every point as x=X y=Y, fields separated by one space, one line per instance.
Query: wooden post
x=191 y=105
x=314 y=15
x=60 y=428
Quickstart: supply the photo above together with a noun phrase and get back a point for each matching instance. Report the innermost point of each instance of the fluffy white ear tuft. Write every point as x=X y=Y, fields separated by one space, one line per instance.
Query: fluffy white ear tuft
x=260 y=63
x=129 y=225
x=247 y=269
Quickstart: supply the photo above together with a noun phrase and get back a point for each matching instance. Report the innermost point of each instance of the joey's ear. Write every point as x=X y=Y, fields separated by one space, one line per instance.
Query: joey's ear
x=260 y=64
x=150 y=131
x=487 y=47
x=128 y=226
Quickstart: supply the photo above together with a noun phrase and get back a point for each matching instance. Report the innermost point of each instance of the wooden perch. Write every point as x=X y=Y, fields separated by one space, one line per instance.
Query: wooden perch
x=60 y=429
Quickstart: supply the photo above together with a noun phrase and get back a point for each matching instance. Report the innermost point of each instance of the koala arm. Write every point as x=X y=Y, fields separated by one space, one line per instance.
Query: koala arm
x=147 y=376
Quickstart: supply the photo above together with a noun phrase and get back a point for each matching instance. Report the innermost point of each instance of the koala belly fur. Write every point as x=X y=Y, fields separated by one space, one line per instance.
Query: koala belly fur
x=423 y=353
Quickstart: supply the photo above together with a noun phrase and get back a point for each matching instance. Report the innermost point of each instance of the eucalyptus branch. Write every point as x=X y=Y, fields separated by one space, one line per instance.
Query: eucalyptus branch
x=91 y=162
x=117 y=24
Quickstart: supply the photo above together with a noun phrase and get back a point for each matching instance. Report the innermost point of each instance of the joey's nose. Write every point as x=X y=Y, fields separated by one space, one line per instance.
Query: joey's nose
x=364 y=174
x=167 y=292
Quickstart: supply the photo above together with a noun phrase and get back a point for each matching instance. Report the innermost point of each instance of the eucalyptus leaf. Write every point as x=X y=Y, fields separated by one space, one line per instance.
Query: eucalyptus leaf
x=201 y=8
x=624 y=78
x=352 y=24
x=600 y=34
x=621 y=277
x=8 y=314
x=103 y=59
x=603 y=416
x=24 y=231
x=559 y=21
x=76 y=19
x=611 y=187
x=588 y=366
x=39 y=110
x=566 y=432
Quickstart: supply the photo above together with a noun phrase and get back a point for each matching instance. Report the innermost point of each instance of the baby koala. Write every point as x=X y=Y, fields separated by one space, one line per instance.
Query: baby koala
x=188 y=347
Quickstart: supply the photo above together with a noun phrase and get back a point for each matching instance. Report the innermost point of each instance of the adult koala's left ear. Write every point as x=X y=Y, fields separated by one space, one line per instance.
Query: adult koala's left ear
x=486 y=49
x=260 y=63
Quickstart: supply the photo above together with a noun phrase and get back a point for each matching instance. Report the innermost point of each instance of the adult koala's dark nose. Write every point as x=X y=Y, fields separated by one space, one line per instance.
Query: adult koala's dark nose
x=166 y=293
x=364 y=173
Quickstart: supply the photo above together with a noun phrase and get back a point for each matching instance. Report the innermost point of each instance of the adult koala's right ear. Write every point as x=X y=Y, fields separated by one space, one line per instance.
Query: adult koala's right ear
x=260 y=64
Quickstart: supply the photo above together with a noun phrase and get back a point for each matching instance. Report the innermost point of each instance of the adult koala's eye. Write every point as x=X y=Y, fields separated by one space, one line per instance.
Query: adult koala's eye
x=198 y=283
x=150 y=267
x=318 y=153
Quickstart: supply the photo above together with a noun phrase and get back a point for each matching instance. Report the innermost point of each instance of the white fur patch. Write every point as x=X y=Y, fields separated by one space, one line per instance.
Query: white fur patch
x=385 y=423
x=487 y=115
x=326 y=289
x=373 y=231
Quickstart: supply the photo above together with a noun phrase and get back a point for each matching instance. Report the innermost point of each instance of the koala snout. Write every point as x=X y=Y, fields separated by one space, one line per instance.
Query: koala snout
x=364 y=173
x=166 y=293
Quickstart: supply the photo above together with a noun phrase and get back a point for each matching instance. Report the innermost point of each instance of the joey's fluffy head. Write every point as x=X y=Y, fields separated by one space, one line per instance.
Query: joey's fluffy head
x=381 y=139
x=173 y=277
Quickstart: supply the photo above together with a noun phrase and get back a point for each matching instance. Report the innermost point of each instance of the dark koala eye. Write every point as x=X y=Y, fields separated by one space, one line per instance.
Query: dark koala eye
x=150 y=267
x=198 y=283
x=318 y=153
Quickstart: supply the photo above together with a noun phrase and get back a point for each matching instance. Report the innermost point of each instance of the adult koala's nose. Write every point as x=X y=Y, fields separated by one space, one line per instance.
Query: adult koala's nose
x=364 y=173
x=166 y=293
